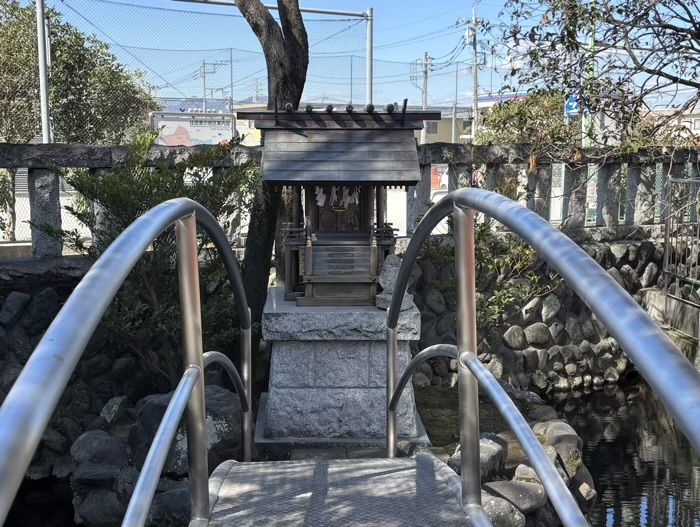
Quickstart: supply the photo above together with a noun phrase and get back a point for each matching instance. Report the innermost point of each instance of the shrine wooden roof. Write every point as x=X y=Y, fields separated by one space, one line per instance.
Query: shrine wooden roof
x=375 y=148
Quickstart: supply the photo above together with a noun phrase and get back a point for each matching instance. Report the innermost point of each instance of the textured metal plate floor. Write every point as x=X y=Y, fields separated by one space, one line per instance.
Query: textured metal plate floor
x=419 y=491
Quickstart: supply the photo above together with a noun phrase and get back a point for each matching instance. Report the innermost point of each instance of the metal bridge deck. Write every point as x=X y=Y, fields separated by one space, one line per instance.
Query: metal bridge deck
x=419 y=491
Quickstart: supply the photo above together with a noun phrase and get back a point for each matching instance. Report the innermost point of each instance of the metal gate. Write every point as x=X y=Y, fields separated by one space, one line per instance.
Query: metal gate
x=682 y=241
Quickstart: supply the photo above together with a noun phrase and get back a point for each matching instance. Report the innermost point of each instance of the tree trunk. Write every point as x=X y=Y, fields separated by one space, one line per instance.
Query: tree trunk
x=258 y=248
x=9 y=175
x=286 y=49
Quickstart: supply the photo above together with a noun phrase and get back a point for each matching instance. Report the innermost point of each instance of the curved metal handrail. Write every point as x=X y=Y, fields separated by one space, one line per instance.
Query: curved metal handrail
x=23 y=418
x=216 y=357
x=430 y=220
x=145 y=489
x=142 y=496
x=551 y=480
x=674 y=379
x=668 y=372
x=438 y=350
x=557 y=491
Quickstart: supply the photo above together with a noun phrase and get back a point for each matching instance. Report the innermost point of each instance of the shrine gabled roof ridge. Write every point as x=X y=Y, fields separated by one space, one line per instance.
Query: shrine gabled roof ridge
x=345 y=120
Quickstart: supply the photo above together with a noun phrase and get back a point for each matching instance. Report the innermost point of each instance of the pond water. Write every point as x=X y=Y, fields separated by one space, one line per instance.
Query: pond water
x=644 y=469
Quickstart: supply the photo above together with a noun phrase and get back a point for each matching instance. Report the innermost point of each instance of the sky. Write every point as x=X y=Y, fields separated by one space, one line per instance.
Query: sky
x=188 y=50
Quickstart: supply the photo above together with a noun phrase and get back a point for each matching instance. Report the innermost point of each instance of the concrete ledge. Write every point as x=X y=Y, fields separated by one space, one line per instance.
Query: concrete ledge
x=29 y=272
x=284 y=320
x=669 y=311
x=15 y=250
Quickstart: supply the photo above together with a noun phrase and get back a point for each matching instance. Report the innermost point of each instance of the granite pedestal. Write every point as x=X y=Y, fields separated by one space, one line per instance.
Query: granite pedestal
x=328 y=374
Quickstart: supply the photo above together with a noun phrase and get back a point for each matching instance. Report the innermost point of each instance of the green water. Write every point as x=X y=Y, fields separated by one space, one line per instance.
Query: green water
x=644 y=470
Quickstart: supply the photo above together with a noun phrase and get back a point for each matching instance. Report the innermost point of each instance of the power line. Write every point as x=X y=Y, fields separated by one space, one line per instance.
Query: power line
x=204 y=13
x=334 y=35
x=459 y=43
x=127 y=51
x=419 y=21
x=420 y=38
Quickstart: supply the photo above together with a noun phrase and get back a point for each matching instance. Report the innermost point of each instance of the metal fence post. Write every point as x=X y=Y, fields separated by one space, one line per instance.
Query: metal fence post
x=466 y=341
x=188 y=277
x=391 y=438
x=246 y=375
x=370 y=53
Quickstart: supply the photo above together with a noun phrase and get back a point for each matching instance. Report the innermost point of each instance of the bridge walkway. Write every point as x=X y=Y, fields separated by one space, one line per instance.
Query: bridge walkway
x=420 y=490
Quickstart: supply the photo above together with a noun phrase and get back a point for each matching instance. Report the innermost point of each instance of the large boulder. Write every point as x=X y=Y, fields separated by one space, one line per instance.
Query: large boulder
x=170 y=508
x=100 y=508
x=538 y=335
x=493 y=451
x=501 y=512
x=531 y=310
x=41 y=311
x=550 y=308
x=387 y=279
x=12 y=308
x=526 y=497
x=98 y=458
x=514 y=338
x=223 y=428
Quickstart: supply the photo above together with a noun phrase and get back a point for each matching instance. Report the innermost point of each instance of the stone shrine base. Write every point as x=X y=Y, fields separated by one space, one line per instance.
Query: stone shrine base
x=328 y=376
x=280 y=447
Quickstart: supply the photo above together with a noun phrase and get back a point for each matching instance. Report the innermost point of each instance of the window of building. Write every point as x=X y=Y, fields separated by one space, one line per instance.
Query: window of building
x=431 y=127
x=696 y=124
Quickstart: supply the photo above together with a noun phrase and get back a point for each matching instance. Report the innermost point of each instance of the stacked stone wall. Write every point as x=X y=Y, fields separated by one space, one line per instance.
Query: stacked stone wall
x=551 y=342
x=98 y=436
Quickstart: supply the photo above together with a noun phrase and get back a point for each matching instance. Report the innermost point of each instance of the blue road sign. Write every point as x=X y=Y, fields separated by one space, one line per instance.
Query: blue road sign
x=572 y=107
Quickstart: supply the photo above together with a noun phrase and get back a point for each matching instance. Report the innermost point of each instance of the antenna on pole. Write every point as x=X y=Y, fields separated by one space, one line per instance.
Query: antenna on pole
x=419 y=70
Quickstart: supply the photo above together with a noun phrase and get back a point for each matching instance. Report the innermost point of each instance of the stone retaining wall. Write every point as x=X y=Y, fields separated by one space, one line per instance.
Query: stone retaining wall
x=99 y=434
x=553 y=342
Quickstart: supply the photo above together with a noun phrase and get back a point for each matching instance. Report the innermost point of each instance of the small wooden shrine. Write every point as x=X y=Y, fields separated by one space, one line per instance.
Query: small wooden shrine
x=339 y=164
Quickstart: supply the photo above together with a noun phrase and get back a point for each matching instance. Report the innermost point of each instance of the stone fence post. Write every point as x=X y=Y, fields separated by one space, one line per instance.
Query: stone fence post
x=609 y=191
x=45 y=209
x=418 y=200
x=640 y=194
x=574 y=206
x=540 y=186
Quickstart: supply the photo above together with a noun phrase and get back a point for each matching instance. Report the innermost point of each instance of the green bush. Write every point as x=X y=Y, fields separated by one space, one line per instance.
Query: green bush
x=145 y=316
x=508 y=271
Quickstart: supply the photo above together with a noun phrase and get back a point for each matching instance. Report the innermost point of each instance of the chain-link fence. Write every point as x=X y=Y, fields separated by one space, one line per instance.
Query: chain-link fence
x=190 y=54
x=170 y=57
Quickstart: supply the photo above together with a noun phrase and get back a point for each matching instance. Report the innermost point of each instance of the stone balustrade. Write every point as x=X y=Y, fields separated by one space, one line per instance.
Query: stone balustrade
x=618 y=195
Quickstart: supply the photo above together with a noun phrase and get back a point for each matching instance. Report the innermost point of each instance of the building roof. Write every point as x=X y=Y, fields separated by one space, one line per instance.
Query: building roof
x=340 y=147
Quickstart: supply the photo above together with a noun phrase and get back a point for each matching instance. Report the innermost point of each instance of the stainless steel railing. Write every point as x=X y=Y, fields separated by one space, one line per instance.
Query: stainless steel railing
x=23 y=417
x=666 y=370
x=141 y=498
x=554 y=486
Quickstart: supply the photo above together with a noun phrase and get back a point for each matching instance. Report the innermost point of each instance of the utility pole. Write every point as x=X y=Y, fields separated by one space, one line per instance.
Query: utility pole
x=493 y=54
x=350 y=79
x=203 y=72
x=204 y=80
x=256 y=90
x=454 y=106
x=475 y=104
x=426 y=63
x=587 y=127
x=43 y=72
x=230 y=88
